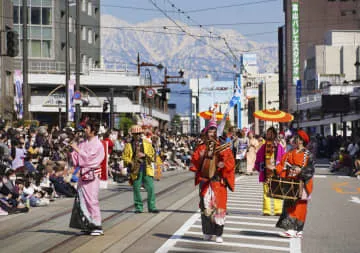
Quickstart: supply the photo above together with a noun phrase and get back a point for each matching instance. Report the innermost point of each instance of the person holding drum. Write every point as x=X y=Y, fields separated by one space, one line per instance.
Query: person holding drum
x=296 y=164
x=267 y=157
x=214 y=165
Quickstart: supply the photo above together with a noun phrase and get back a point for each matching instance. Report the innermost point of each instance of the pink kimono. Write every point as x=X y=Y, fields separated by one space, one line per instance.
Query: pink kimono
x=260 y=160
x=91 y=154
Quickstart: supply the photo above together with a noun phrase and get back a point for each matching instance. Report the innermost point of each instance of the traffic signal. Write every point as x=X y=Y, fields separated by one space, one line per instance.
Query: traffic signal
x=105 y=106
x=12 y=43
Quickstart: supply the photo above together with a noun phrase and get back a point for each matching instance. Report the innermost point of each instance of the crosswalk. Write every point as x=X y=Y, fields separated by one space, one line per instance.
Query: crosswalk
x=246 y=230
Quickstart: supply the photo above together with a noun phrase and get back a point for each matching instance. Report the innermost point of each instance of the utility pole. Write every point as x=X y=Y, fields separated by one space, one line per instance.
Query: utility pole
x=198 y=107
x=78 y=55
x=111 y=121
x=26 y=97
x=67 y=63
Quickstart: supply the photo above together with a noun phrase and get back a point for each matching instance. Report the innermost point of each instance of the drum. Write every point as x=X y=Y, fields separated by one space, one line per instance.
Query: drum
x=285 y=188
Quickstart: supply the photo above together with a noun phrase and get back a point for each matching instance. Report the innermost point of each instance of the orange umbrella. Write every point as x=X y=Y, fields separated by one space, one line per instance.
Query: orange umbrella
x=209 y=114
x=273 y=115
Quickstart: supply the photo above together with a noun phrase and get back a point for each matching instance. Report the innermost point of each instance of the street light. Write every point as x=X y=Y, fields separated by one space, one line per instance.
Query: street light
x=147 y=64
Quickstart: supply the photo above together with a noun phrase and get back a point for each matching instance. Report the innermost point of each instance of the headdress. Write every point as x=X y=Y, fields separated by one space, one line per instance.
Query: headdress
x=304 y=136
x=136 y=129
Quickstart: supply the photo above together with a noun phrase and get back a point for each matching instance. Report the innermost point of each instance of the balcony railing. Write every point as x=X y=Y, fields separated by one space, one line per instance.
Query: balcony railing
x=53 y=67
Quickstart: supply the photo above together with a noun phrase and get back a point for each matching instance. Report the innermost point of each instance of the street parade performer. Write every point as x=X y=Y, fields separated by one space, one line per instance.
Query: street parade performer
x=139 y=155
x=214 y=166
x=88 y=155
x=297 y=164
x=267 y=157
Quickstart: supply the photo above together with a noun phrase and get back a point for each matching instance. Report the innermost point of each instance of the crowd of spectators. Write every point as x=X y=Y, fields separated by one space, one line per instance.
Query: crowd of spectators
x=36 y=169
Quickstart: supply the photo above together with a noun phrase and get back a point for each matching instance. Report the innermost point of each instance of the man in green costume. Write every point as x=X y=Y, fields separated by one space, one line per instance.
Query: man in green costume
x=139 y=155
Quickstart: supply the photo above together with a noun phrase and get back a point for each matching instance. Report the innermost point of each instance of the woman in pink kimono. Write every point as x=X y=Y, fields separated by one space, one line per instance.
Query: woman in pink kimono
x=251 y=153
x=88 y=156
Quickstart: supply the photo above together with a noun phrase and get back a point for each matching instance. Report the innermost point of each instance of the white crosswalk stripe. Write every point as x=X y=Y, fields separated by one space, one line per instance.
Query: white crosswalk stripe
x=245 y=227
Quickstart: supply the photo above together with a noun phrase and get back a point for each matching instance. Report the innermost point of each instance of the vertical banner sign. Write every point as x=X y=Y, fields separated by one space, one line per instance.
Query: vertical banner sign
x=295 y=42
x=19 y=100
x=71 y=100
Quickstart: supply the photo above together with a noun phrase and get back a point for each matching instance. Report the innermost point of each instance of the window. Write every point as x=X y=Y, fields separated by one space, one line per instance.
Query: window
x=16 y=14
x=89 y=8
x=83 y=5
x=35 y=48
x=83 y=32
x=90 y=62
x=35 y=16
x=46 y=49
x=70 y=24
x=46 y=16
x=84 y=59
x=71 y=54
x=90 y=36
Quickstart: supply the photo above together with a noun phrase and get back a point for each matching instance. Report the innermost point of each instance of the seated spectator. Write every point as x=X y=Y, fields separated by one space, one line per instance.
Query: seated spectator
x=10 y=200
x=61 y=187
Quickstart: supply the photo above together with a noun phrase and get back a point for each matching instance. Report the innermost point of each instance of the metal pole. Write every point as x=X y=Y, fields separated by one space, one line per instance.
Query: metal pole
x=111 y=122
x=25 y=61
x=78 y=55
x=59 y=116
x=198 y=107
x=67 y=63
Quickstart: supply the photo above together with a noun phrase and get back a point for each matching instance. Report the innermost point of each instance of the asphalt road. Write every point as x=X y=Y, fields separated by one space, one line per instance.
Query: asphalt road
x=332 y=224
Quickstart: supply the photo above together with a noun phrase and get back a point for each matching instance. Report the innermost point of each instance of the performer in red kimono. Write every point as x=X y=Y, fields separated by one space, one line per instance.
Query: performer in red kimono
x=214 y=166
x=297 y=163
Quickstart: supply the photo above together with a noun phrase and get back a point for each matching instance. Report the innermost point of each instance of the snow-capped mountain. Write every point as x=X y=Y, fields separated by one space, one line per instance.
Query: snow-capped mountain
x=197 y=51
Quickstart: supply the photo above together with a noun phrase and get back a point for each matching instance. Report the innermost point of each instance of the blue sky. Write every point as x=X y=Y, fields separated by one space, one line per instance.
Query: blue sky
x=266 y=12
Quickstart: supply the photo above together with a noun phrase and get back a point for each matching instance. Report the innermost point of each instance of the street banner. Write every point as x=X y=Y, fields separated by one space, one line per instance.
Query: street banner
x=71 y=108
x=295 y=34
x=19 y=99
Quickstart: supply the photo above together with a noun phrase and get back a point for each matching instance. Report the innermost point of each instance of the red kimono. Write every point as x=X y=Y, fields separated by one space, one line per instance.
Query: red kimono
x=294 y=212
x=213 y=191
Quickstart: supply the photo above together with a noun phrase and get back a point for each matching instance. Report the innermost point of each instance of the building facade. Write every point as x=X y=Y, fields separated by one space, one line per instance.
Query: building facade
x=6 y=63
x=332 y=68
x=306 y=23
x=47 y=37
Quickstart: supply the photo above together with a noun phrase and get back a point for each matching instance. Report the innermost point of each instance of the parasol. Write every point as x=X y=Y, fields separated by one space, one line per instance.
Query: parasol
x=274 y=115
x=208 y=114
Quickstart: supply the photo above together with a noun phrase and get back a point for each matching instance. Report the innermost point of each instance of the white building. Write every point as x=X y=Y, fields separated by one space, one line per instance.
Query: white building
x=331 y=69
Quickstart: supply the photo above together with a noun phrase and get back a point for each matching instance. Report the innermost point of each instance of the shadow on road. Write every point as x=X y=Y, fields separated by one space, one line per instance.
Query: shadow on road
x=61 y=232
x=259 y=234
x=167 y=236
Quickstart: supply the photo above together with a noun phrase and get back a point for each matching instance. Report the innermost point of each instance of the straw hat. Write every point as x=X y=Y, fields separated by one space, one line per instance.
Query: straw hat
x=136 y=129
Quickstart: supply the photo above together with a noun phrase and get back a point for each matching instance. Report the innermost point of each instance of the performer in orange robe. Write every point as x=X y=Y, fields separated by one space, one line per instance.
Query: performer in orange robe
x=213 y=188
x=297 y=163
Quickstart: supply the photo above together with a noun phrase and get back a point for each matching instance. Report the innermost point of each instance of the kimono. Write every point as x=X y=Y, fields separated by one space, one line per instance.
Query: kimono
x=213 y=191
x=294 y=212
x=86 y=210
x=260 y=164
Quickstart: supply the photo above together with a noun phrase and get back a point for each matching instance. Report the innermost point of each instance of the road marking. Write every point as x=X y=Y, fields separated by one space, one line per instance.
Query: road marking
x=338 y=188
x=245 y=208
x=248 y=205
x=250 y=218
x=244 y=201
x=240 y=245
x=355 y=199
x=268 y=232
x=295 y=245
x=178 y=234
x=320 y=176
x=245 y=237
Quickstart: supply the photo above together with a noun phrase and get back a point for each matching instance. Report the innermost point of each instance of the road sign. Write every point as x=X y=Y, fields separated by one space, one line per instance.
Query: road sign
x=150 y=93
x=77 y=95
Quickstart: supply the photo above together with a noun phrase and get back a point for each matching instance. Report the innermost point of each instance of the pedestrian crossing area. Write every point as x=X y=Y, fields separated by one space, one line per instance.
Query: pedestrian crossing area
x=246 y=230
